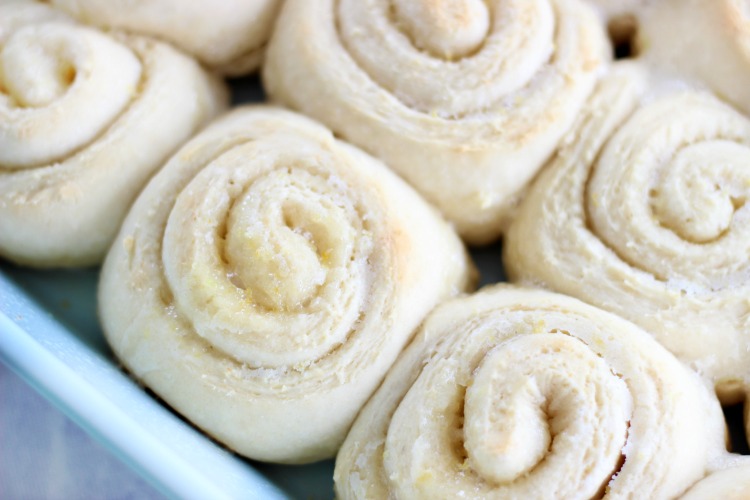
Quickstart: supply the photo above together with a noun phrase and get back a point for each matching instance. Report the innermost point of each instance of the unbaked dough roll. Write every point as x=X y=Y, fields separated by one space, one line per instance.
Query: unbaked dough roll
x=227 y=35
x=85 y=120
x=644 y=213
x=465 y=99
x=520 y=393
x=707 y=40
x=268 y=277
x=730 y=483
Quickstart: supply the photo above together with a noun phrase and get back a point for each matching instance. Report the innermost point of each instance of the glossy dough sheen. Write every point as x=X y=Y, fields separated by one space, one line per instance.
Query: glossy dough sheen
x=228 y=35
x=268 y=277
x=644 y=214
x=706 y=40
x=465 y=99
x=518 y=393
x=85 y=120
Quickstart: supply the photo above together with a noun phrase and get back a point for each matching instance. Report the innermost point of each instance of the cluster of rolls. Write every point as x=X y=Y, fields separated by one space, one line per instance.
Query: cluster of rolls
x=297 y=296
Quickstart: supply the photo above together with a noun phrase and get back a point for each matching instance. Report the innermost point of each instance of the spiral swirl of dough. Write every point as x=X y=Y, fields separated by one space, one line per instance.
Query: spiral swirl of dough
x=465 y=99
x=706 y=41
x=644 y=214
x=268 y=277
x=226 y=35
x=85 y=119
x=519 y=393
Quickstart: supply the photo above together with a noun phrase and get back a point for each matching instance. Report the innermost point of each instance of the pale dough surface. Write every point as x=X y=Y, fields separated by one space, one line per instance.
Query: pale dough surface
x=611 y=9
x=227 y=35
x=644 y=214
x=267 y=278
x=85 y=120
x=521 y=393
x=465 y=99
x=730 y=482
x=704 y=40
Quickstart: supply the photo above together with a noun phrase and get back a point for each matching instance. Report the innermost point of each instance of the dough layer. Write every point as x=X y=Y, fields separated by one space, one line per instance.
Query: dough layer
x=226 y=35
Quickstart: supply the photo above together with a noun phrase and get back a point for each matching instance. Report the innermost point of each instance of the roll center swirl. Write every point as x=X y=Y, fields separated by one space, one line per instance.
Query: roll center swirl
x=280 y=242
x=281 y=264
x=51 y=72
x=445 y=28
x=703 y=187
x=36 y=71
x=516 y=410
